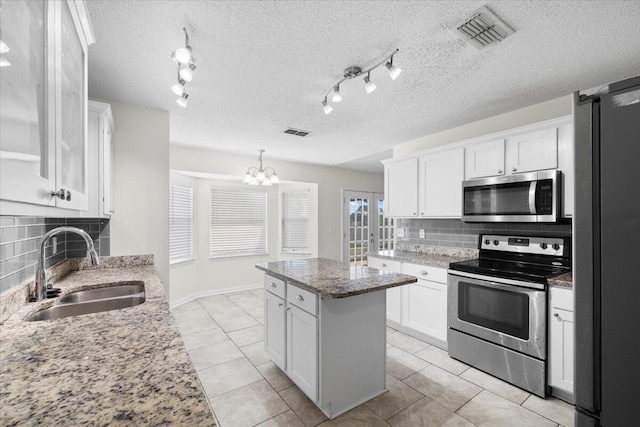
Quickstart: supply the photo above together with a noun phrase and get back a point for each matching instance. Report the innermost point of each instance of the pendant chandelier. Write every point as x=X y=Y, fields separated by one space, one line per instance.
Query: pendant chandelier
x=260 y=176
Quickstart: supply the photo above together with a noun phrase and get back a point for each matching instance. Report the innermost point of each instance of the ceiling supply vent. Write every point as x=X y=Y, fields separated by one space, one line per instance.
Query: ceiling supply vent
x=296 y=132
x=482 y=28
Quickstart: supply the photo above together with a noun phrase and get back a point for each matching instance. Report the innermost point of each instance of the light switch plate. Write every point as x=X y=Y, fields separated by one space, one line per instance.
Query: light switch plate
x=422 y=233
x=400 y=232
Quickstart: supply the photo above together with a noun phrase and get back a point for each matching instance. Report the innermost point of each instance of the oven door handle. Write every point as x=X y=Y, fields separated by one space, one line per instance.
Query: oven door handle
x=498 y=282
x=532 y=197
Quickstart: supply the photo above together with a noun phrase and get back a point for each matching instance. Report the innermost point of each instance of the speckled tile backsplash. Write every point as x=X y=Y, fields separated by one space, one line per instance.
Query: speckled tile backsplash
x=20 y=240
x=457 y=234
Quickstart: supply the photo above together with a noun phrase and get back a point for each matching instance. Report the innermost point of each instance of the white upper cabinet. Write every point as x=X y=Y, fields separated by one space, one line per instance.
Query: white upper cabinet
x=440 y=184
x=533 y=151
x=401 y=188
x=101 y=128
x=43 y=114
x=485 y=159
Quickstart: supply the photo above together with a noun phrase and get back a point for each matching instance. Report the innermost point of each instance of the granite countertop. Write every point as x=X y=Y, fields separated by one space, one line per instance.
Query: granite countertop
x=428 y=259
x=126 y=366
x=564 y=280
x=332 y=278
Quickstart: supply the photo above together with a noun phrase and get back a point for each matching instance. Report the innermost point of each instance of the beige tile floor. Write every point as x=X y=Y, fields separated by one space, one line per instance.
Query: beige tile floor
x=224 y=334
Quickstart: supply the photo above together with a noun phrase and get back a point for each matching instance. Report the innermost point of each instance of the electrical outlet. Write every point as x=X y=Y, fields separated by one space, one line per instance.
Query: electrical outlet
x=422 y=233
x=400 y=232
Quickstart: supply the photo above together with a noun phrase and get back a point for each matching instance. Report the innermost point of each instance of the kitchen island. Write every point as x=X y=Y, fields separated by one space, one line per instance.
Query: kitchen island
x=325 y=327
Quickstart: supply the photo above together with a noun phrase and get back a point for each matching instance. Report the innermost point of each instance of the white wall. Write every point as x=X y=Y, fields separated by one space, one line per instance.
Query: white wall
x=548 y=110
x=210 y=276
x=140 y=224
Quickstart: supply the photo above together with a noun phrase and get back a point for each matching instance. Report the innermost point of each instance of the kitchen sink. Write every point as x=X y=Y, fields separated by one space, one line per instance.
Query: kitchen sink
x=120 y=289
x=120 y=295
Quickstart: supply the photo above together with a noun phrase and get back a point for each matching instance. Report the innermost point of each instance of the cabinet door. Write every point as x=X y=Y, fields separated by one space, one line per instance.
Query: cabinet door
x=302 y=350
x=533 y=151
x=561 y=339
x=71 y=103
x=394 y=304
x=401 y=188
x=440 y=187
x=485 y=159
x=107 y=169
x=424 y=308
x=27 y=171
x=274 y=329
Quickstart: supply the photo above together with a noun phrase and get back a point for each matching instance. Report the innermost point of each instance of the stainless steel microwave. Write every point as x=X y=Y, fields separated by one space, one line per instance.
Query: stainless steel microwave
x=527 y=197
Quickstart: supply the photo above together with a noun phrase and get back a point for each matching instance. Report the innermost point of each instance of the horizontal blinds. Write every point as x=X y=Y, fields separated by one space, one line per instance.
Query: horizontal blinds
x=180 y=222
x=295 y=222
x=238 y=222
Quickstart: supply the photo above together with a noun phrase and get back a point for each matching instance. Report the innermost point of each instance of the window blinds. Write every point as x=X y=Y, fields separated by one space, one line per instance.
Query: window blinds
x=180 y=222
x=238 y=222
x=295 y=222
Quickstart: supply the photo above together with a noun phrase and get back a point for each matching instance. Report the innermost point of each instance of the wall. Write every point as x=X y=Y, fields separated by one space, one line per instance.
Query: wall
x=548 y=110
x=330 y=182
x=140 y=224
x=20 y=241
x=457 y=234
x=203 y=275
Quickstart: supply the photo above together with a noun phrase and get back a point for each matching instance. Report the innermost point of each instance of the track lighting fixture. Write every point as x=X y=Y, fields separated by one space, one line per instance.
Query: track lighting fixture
x=4 y=62
x=3 y=47
x=353 y=72
x=186 y=66
x=259 y=176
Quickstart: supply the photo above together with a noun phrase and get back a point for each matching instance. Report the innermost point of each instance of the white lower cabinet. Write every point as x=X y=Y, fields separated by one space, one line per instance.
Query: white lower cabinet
x=394 y=295
x=302 y=350
x=274 y=324
x=561 y=339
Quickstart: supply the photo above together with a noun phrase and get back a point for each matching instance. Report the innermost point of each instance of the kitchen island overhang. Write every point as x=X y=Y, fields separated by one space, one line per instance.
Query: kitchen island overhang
x=325 y=327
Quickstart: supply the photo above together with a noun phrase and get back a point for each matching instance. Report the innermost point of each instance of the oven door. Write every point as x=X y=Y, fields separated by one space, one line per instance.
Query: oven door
x=505 y=312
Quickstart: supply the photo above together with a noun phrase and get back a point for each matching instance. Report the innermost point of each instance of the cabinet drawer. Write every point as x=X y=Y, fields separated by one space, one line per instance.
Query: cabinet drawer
x=274 y=285
x=434 y=274
x=308 y=301
x=384 y=264
x=561 y=298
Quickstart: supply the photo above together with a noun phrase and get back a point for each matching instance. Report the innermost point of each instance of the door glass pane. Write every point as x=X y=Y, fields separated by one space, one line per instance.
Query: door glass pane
x=385 y=226
x=502 y=311
x=23 y=86
x=72 y=92
x=503 y=199
x=359 y=230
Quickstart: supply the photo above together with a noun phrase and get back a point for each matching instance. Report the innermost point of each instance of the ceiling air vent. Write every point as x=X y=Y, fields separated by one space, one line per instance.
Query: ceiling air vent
x=482 y=28
x=296 y=132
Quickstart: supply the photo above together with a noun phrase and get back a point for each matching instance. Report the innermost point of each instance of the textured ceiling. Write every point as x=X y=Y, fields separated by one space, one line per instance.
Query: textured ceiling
x=263 y=66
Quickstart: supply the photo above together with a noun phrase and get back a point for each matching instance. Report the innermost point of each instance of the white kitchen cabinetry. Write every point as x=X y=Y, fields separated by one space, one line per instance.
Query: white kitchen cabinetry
x=394 y=295
x=43 y=122
x=561 y=339
x=401 y=188
x=274 y=325
x=484 y=159
x=440 y=185
x=533 y=151
x=302 y=350
x=101 y=128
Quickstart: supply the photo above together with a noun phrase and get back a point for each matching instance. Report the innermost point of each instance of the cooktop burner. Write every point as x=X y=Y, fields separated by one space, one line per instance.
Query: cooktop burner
x=509 y=269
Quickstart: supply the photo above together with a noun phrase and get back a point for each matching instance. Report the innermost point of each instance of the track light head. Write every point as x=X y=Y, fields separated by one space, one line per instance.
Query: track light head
x=394 y=71
x=3 y=47
x=182 y=101
x=178 y=88
x=369 y=86
x=336 y=97
x=182 y=55
x=326 y=107
x=186 y=71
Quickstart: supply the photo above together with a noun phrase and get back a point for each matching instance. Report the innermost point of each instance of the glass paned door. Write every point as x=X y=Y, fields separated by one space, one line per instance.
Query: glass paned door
x=365 y=227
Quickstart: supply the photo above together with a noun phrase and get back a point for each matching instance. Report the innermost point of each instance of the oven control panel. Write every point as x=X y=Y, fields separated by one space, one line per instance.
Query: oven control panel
x=530 y=245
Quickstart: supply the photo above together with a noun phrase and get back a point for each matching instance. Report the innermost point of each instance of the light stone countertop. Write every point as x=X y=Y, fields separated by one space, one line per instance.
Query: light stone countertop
x=332 y=278
x=127 y=366
x=565 y=280
x=428 y=259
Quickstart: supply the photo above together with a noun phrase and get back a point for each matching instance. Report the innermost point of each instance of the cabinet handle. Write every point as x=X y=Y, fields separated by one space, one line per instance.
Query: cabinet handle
x=499 y=171
x=513 y=169
x=59 y=194
x=299 y=298
x=383 y=265
x=424 y=272
x=287 y=309
x=280 y=304
x=273 y=285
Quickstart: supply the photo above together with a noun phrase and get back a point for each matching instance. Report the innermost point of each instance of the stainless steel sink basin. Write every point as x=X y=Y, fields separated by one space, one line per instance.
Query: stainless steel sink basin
x=120 y=295
x=117 y=290
x=75 y=309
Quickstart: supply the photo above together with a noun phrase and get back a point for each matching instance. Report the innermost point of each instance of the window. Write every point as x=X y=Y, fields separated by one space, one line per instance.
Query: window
x=295 y=222
x=238 y=222
x=180 y=222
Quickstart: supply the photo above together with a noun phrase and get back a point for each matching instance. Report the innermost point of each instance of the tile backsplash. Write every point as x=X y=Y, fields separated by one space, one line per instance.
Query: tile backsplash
x=20 y=241
x=457 y=234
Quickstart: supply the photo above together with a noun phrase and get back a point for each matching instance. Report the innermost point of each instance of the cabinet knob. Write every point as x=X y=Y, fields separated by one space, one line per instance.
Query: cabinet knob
x=273 y=285
x=499 y=171
x=513 y=169
x=556 y=315
x=299 y=298
x=422 y=213
x=59 y=194
x=414 y=214
x=424 y=272
x=280 y=304
x=68 y=195
x=383 y=265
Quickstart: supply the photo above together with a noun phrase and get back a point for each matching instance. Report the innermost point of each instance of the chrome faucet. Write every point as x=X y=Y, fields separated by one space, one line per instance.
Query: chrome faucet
x=41 y=276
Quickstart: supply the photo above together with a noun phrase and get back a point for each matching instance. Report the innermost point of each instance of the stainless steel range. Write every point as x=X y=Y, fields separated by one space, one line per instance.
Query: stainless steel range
x=497 y=307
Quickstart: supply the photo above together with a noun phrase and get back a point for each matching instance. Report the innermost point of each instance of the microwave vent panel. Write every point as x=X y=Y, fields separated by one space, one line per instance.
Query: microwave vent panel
x=482 y=28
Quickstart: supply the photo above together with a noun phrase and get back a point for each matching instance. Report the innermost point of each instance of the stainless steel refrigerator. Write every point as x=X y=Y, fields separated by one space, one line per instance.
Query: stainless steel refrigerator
x=607 y=255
